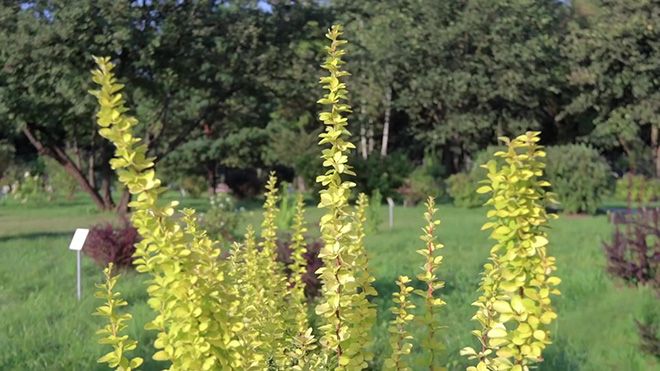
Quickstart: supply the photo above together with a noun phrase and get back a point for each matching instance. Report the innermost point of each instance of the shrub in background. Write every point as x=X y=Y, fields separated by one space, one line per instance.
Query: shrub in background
x=284 y=218
x=193 y=185
x=424 y=181
x=107 y=243
x=30 y=188
x=61 y=183
x=374 y=215
x=462 y=187
x=384 y=174
x=419 y=185
x=580 y=177
x=222 y=219
x=635 y=188
x=312 y=262
x=7 y=151
x=633 y=254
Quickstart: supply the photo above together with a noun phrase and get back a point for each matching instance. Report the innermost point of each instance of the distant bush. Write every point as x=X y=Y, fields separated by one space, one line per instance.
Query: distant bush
x=30 y=188
x=633 y=254
x=7 y=151
x=107 y=243
x=61 y=183
x=424 y=181
x=193 y=185
x=311 y=280
x=384 y=174
x=284 y=218
x=637 y=188
x=580 y=177
x=419 y=185
x=373 y=214
x=221 y=221
x=462 y=187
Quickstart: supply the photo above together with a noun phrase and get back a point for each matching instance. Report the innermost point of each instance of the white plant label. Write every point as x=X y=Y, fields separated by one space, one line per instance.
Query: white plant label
x=78 y=239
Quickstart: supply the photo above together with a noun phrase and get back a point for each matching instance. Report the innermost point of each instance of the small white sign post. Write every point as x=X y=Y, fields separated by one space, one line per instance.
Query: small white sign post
x=76 y=244
x=390 y=202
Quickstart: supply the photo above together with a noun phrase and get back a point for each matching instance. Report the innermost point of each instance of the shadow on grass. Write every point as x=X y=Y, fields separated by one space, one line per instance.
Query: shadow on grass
x=34 y=236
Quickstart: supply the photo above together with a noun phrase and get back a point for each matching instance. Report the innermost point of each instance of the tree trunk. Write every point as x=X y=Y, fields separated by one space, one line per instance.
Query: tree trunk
x=106 y=189
x=629 y=153
x=122 y=208
x=300 y=183
x=63 y=159
x=91 y=172
x=211 y=178
x=363 y=142
x=370 y=138
x=386 y=122
x=656 y=149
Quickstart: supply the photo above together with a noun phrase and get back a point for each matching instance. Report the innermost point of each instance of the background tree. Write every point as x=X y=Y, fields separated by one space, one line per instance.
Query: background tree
x=45 y=55
x=295 y=53
x=485 y=69
x=613 y=48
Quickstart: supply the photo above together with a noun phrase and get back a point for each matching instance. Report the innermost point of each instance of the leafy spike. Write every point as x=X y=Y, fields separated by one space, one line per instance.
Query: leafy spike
x=514 y=309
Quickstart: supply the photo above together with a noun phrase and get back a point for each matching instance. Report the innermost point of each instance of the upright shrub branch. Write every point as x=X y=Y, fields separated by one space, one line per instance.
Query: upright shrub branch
x=400 y=337
x=187 y=286
x=337 y=228
x=431 y=302
x=514 y=309
x=111 y=332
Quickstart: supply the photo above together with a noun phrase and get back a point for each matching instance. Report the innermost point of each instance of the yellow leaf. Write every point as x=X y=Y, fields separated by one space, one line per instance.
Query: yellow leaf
x=484 y=189
x=496 y=333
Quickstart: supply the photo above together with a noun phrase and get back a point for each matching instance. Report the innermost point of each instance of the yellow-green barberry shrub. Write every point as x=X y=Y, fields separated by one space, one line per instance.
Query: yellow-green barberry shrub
x=111 y=333
x=196 y=321
x=430 y=344
x=304 y=355
x=364 y=314
x=400 y=337
x=344 y=301
x=514 y=309
x=245 y=275
x=299 y=268
x=242 y=312
x=280 y=324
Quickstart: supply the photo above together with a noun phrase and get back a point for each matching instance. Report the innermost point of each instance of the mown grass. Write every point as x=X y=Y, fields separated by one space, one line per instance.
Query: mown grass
x=43 y=327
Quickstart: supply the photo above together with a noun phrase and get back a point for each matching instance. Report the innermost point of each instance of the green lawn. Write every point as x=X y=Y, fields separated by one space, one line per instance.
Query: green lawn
x=43 y=327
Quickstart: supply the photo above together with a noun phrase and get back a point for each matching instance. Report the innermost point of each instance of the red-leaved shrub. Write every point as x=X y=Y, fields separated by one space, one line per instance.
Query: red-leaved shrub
x=633 y=254
x=108 y=243
x=312 y=282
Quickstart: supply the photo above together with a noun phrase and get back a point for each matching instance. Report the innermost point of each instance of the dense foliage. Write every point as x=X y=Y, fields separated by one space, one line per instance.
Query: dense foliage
x=580 y=177
x=108 y=243
x=246 y=311
x=636 y=188
x=633 y=254
x=312 y=262
x=222 y=219
x=441 y=77
x=462 y=186
x=514 y=308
